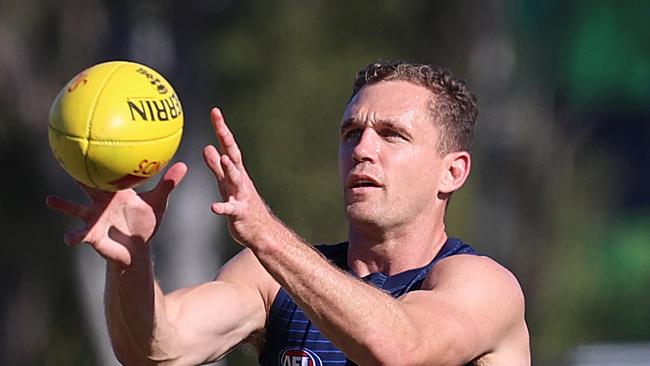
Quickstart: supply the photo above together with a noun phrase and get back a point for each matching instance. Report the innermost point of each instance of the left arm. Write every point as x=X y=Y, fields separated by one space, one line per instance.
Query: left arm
x=466 y=308
x=454 y=319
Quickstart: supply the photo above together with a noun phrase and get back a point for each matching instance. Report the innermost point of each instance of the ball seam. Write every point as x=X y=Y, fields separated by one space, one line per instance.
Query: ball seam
x=107 y=141
x=90 y=120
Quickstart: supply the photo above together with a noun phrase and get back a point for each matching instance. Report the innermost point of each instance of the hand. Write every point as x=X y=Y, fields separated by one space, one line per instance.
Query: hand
x=119 y=224
x=246 y=211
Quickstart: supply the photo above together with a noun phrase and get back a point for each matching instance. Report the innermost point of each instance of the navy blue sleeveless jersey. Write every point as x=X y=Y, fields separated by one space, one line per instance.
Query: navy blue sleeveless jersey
x=293 y=340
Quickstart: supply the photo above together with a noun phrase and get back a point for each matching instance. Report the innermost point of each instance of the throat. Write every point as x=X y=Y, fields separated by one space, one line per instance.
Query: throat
x=394 y=254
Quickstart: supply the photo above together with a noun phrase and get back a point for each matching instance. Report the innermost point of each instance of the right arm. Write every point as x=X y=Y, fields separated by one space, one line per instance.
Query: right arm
x=189 y=326
x=186 y=327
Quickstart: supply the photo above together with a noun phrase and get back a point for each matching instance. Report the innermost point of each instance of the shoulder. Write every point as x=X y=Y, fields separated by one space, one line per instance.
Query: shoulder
x=480 y=277
x=480 y=285
x=477 y=267
x=477 y=307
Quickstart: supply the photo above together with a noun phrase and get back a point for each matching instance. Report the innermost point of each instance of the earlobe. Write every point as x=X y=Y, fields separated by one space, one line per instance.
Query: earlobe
x=458 y=165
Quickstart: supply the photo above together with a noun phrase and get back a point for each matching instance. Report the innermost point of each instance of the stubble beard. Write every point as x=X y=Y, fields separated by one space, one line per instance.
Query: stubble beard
x=370 y=215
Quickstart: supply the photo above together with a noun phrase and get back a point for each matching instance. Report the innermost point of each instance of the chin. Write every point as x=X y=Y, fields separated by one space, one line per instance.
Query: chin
x=362 y=216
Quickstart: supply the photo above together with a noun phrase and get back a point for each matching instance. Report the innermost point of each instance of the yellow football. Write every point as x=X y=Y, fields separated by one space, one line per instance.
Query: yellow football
x=115 y=124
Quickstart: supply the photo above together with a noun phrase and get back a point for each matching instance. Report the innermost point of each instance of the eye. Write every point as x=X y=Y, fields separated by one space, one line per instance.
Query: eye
x=391 y=134
x=353 y=134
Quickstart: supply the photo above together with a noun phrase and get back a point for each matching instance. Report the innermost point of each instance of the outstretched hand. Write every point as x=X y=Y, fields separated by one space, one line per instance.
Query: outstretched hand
x=246 y=211
x=119 y=224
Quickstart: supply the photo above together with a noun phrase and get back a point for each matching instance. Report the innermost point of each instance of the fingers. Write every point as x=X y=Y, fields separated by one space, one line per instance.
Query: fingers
x=213 y=161
x=175 y=173
x=229 y=176
x=229 y=179
x=67 y=207
x=232 y=175
x=172 y=178
x=226 y=139
x=159 y=195
x=223 y=208
x=116 y=253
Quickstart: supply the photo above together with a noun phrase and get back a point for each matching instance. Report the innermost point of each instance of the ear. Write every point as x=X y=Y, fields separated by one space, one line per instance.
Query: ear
x=457 y=166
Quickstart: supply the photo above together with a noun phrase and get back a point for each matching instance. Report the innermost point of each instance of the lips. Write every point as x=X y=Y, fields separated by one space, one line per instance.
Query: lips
x=362 y=181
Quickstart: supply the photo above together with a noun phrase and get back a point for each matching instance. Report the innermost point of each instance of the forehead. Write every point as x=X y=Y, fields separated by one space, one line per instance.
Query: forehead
x=389 y=99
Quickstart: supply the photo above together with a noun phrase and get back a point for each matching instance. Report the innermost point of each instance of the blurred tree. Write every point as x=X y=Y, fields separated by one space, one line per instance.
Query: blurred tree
x=556 y=159
x=289 y=66
x=38 y=313
x=595 y=58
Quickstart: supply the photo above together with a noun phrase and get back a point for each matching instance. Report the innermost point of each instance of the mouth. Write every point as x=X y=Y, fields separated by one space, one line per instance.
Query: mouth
x=362 y=181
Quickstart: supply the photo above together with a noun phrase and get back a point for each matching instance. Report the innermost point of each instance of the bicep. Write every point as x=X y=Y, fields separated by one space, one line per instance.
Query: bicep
x=212 y=318
x=465 y=309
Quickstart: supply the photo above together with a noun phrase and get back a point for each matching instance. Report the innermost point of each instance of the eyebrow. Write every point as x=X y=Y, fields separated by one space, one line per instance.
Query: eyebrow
x=348 y=123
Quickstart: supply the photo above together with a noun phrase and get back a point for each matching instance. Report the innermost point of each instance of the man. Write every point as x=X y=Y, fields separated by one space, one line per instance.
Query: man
x=398 y=292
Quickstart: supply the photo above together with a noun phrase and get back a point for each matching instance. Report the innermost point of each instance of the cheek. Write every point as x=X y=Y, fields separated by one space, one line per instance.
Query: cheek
x=417 y=170
x=344 y=161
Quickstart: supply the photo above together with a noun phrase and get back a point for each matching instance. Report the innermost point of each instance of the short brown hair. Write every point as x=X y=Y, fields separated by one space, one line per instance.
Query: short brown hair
x=453 y=106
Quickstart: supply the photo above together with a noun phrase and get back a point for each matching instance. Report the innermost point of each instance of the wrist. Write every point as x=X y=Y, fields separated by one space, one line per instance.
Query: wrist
x=273 y=238
x=139 y=260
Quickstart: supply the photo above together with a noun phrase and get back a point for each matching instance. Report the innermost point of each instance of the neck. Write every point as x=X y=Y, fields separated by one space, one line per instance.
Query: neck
x=394 y=250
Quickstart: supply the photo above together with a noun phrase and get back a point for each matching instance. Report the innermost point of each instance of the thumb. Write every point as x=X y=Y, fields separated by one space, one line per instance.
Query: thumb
x=172 y=178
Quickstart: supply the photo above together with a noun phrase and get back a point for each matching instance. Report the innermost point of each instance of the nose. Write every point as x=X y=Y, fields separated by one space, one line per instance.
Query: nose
x=367 y=146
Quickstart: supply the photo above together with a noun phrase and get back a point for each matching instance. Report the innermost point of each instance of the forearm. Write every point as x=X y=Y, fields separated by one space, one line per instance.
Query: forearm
x=135 y=313
x=364 y=322
x=340 y=305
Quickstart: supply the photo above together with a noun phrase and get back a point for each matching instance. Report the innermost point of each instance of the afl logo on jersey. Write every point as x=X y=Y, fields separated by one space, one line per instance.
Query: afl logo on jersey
x=298 y=356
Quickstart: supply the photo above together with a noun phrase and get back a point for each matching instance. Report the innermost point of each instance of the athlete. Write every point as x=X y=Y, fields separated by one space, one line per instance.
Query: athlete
x=398 y=292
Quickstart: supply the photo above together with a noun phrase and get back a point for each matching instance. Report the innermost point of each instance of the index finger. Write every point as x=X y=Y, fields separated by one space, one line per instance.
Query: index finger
x=226 y=139
x=67 y=207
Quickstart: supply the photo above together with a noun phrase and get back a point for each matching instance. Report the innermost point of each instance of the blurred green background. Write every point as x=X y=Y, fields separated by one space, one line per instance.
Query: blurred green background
x=559 y=192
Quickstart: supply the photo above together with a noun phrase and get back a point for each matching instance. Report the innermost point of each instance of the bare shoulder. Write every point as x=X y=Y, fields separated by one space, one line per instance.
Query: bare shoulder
x=490 y=295
x=476 y=273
